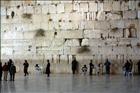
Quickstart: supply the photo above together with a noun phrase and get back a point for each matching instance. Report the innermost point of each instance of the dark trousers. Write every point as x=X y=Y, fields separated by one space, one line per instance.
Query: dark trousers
x=107 y=71
x=139 y=71
x=12 y=76
x=0 y=76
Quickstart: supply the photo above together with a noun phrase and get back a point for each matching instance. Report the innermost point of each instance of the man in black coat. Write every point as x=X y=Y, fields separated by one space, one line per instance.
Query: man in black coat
x=48 y=68
x=26 y=65
x=138 y=67
x=74 y=65
x=0 y=71
x=91 y=66
x=107 y=66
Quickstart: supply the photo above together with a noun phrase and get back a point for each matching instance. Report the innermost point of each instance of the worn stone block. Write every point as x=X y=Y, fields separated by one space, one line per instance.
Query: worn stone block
x=92 y=34
x=116 y=6
x=93 y=7
x=132 y=5
x=52 y=8
x=129 y=14
x=117 y=23
x=68 y=7
x=60 y=8
x=100 y=7
x=124 y=6
x=107 y=6
x=83 y=7
x=45 y=9
x=101 y=25
x=139 y=14
x=101 y=15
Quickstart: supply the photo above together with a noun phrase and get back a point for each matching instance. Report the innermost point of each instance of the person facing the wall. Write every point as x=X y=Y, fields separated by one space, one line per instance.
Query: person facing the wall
x=107 y=66
x=91 y=67
x=74 y=65
x=12 y=72
x=48 y=68
x=84 y=69
x=26 y=65
x=0 y=71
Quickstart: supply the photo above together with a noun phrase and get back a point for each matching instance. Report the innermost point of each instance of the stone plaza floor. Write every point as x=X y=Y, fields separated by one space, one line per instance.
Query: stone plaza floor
x=67 y=83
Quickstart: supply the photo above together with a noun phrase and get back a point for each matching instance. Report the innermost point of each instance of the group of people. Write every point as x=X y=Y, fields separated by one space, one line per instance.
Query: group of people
x=91 y=67
x=37 y=68
x=8 y=69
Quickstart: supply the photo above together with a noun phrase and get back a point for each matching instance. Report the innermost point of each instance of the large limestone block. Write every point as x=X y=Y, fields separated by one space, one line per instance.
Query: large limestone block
x=92 y=34
x=116 y=6
x=76 y=16
x=13 y=35
x=60 y=8
x=93 y=7
x=117 y=23
x=3 y=11
x=107 y=6
x=52 y=8
x=129 y=14
x=37 y=18
x=66 y=50
x=45 y=9
x=83 y=7
x=29 y=35
x=96 y=42
x=137 y=5
x=85 y=42
x=89 y=24
x=100 y=7
x=124 y=6
x=72 y=42
x=101 y=25
x=101 y=15
x=132 y=5
x=34 y=26
x=30 y=9
x=68 y=7
x=5 y=27
x=70 y=34
x=113 y=16
x=44 y=25
x=139 y=14
x=76 y=7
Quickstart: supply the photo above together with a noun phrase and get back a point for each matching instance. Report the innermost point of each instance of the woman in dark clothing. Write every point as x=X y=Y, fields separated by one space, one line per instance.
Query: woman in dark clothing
x=26 y=65
x=0 y=71
x=91 y=66
x=48 y=68
x=12 y=72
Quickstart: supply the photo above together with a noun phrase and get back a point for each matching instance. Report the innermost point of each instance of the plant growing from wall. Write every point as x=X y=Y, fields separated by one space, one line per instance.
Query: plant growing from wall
x=40 y=33
x=114 y=29
x=83 y=49
x=27 y=15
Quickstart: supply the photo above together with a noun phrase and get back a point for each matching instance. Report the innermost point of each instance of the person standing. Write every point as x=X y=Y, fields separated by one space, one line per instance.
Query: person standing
x=107 y=66
x=131 y=67
x=138 y=67
x=5 y=70
x=12 y=72
x=91 y=66
x=84 y=69
x=74 y=65
x=48 y=68
x=26 y=65
x=0 y=71
x=126 y=67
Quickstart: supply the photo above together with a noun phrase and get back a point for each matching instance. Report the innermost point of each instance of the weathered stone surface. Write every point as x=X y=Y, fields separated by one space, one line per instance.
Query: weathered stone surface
x=129 y=14
x=93 y=7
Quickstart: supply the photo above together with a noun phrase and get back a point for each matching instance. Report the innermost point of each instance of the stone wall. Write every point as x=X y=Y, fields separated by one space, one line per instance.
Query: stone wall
x=58 y=30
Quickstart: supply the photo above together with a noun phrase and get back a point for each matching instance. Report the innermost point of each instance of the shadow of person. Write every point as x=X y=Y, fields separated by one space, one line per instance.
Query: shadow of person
x=26 y=85
x=48 y=84
x=12 y=87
